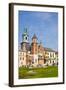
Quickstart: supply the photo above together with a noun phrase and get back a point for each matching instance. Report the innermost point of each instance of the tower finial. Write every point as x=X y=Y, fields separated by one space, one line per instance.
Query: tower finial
x=25 y=29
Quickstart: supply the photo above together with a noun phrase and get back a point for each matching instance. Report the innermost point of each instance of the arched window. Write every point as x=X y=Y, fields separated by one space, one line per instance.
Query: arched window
x=20 y=58
x=26 y=38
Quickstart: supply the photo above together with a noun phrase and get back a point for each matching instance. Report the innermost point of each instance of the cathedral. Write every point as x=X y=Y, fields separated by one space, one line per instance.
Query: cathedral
x=34 y=54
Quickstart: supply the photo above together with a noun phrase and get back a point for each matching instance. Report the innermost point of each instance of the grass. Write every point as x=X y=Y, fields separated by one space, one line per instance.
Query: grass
x=50 y=71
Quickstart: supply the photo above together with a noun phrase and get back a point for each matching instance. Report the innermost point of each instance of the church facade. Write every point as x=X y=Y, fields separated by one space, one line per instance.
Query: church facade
x=34 y=54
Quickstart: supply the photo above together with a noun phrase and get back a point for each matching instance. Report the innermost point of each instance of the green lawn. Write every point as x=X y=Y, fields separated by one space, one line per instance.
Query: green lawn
x=50 y=71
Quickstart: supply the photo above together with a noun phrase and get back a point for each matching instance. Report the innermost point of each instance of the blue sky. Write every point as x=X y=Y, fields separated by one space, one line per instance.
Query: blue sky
x=43 y=24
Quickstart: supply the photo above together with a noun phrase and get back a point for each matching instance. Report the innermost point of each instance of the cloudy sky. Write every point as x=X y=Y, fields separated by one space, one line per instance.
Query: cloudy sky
x=43 y=24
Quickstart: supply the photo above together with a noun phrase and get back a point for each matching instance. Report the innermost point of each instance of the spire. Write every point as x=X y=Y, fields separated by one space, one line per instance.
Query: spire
x=34 y=37
x=25 y=30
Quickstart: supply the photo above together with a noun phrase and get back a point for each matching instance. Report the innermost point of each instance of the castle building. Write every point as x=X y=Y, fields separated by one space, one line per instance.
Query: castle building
x=34 y=53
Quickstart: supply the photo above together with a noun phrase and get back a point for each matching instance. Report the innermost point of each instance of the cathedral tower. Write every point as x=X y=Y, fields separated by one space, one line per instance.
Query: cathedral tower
x=34 y=45
x=34 y=50
x=25 y=43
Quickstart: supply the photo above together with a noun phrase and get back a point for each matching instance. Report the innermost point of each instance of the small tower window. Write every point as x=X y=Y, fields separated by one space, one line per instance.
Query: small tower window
x=26 y=38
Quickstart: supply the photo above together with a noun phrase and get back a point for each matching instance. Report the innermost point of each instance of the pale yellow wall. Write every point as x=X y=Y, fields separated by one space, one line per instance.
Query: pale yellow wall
x=22 y=58
x=41 y=62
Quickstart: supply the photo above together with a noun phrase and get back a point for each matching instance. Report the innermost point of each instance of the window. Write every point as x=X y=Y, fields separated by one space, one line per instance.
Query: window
x=23 y=58
x=50 y=61
x=20 y=58
x=26 y=38
x=32 y=62
x=23 y=54
x=51 y=54
x=44 y=61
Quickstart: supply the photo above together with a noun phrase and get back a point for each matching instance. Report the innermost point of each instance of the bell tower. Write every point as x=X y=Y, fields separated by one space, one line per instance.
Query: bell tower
x=25 y=36
x=25 y=43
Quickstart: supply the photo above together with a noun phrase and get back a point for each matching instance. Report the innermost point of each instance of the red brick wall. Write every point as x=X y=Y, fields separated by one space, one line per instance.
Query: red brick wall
x=34 y=48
